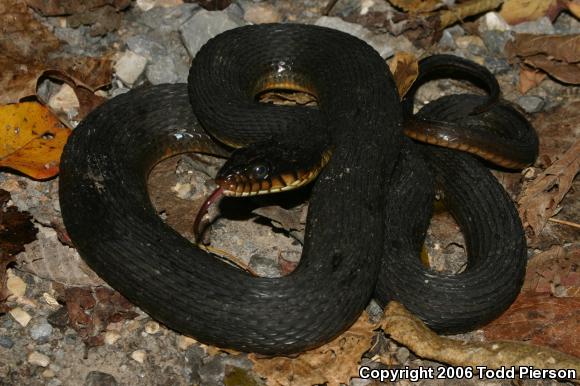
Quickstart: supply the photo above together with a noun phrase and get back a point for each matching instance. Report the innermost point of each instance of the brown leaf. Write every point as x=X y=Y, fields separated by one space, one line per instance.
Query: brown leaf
x=539 y=199
x=16 y=230
x=332 y=364
x=519 y=11
x=557 y=55
x=90 y=311
x=405 y=69
x=32 y=139
x=555 y=272
x=418 y=6
x=530 y=78
x=541 y=319
x=69 y=7
x=29 y=52
x=408 y=330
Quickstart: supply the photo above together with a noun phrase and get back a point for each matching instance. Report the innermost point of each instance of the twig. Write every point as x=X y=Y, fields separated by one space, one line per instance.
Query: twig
x=228 y=258
x=329 y=7
x=564 y=222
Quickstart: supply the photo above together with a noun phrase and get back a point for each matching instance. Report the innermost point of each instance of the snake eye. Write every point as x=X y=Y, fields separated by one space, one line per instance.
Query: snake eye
x=260 y=171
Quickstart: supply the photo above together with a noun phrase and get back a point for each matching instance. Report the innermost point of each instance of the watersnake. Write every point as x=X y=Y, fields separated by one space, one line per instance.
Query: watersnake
x=373 y=169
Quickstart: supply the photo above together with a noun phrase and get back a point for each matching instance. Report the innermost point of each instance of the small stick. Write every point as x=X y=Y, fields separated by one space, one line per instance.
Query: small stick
x=564 y=222
x=229 y=258
x=329 y=7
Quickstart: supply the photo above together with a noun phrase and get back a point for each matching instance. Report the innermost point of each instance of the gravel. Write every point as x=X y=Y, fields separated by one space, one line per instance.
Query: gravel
x=41 y=331
x=531 y=103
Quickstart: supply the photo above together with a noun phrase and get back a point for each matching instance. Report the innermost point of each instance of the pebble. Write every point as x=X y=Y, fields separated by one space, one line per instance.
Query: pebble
x=531 y=103
x=402 y=354
x=447 y=41
x=15 y=284
x=162 y=71
x=537 y=27
x=567 y=24
x=111 y=337
x=139 y=355
x=48 y=373
x=130 y=66
x=21 y=316
x=152 y=327
x=264 y=266
x=497 y=65
x=262 y=13
x=65 y=100
x=168 y=19
x=495 y=41
x=41 y=331
x=6 y=342
x=184 y=342
x=213 y=372
x=492 y=21
x=203 y=26
x=98 y=378
x=38 y=359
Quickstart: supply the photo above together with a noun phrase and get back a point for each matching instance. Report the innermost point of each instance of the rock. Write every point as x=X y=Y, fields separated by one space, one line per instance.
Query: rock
x=139 y=355
x=213 y=372
x=566 y=24
x=203 y=26
x=152 y=327
x=48 y=373
x=402 y=354
x=262 y=13
x=130 y=66
x=111 y=337
x=540 y=26
x=492 y=21
x=383 y=44
x=473 y=44
x=146 y=46
x=21 y=316
x=38 y=359
x=497 y=65
x=15 y=284
x=531 y=103
x=170 y=19
x=495 y=41
x=41 y=331
x=162 y=71
x=145 y=5
x=65 y=101
x=350 y=28
x=184 y=342
x=6 y=342
x=447 y=41
x=264 y=266
x=97 y=378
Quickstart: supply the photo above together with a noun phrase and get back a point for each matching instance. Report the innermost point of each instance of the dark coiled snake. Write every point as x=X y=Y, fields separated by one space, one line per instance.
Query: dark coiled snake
x=368 y=213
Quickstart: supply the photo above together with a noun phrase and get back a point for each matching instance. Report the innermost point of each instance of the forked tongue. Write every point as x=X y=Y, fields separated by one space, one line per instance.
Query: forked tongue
x=198 y=224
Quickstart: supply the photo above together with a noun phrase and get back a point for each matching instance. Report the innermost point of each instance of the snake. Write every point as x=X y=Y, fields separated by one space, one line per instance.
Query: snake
x=354 y=219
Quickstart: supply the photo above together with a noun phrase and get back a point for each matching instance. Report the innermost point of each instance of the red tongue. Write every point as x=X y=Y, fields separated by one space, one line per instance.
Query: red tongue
x=213 y=197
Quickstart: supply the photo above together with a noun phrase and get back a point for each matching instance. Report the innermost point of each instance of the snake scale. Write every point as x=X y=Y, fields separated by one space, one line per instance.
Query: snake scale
x=368 y=212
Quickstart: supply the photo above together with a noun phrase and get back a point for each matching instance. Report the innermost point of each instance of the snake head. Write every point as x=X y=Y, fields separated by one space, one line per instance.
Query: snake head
x=269 y=167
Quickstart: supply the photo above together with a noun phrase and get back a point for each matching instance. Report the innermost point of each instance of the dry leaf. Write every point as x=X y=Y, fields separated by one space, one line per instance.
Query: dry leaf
x=541 y=319
x=405 y=69
x=90 y=311
x=519 y=11
x=32 y=139
x=29 y=48
x=417 y=6
x=530 y=78
x=557 y=55
x=555 y=272
x=574 y=8
x=408 y=330
x=70 y=7
x=332 y=364
x=540 y=198
x=16 y=230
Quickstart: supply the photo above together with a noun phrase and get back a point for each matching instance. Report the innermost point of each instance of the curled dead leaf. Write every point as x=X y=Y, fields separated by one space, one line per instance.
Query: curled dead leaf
x=408 y=330
x=332 y=364
x=540 y=198
x=556 y=55
x=519 y=11
x=405 y=68
x=32 y=139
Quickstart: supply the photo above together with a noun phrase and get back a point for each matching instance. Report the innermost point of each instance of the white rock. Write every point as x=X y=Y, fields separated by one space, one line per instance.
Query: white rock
x=38 y=359
x=111 y=337
x=21 y=316
x=130 y=66
x=146 y=5
x=15 y=284
x=493 y=21
x=152 y=327
x=337 y=23
x=139 y=355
